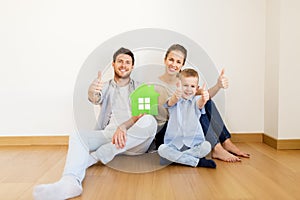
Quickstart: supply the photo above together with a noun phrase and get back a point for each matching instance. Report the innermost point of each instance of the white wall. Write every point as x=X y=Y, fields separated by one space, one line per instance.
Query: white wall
x=289 y=70
x=44 y=43
x=272 y=68
x=282 y=69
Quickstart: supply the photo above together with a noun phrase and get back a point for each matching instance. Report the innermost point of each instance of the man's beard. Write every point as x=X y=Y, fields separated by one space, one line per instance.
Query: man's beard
x=122 y=76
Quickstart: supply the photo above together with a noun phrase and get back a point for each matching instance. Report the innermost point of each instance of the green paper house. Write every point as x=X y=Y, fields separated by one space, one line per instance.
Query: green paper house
x=144 y=100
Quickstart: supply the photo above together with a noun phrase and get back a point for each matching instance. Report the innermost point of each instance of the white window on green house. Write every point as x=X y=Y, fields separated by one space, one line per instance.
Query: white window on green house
x=144 y=103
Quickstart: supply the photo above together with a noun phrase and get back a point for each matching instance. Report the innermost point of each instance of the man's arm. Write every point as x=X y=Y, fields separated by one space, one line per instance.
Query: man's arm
x=94 y=92
x=119 y=138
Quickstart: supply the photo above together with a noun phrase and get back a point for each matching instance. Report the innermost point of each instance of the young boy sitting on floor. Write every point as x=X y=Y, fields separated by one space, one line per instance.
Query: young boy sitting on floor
x=184 y=140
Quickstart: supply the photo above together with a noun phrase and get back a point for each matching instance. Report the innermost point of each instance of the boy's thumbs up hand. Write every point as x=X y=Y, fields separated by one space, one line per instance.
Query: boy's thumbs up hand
x=205 y=94
x=178 y=92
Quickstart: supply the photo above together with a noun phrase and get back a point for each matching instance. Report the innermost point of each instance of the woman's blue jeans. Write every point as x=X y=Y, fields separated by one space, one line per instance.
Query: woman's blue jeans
x=213 y=126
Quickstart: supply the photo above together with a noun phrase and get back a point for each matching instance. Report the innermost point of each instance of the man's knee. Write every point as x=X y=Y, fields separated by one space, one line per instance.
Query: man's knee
x=147 y=121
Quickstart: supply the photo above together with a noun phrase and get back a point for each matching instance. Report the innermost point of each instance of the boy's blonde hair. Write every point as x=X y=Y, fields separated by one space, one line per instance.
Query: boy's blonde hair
x=188 y=72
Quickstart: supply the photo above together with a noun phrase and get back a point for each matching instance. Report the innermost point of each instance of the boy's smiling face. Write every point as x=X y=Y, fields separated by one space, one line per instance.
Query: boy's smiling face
x=189 y=86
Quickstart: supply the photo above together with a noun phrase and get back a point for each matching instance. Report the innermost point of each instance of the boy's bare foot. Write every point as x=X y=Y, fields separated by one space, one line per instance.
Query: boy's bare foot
x=229 y=146
x=220 y=153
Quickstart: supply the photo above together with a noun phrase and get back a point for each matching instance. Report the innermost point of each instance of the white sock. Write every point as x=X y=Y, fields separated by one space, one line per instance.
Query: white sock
x=67 y=187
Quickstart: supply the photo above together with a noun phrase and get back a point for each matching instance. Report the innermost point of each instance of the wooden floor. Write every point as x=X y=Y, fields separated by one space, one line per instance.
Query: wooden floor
x=268 y=174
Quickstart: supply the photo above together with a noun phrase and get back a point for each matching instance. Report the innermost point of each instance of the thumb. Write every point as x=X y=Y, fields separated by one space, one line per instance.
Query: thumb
x=178 y=84
x=222 y=72
x=99 y=75
x=203 y=86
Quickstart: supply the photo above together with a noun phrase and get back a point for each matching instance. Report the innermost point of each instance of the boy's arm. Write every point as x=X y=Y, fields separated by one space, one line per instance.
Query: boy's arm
x=204 y=97
x=119 y=138
x=173 y=100
x=176 y=96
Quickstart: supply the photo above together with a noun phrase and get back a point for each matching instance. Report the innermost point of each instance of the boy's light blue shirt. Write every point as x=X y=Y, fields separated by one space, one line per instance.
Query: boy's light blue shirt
x=184 y=127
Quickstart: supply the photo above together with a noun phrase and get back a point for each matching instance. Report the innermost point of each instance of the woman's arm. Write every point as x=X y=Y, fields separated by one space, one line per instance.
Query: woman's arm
x=222 y=82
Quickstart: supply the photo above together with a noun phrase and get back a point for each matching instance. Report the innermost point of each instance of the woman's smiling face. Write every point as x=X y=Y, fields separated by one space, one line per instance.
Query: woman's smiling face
x=174 y=61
